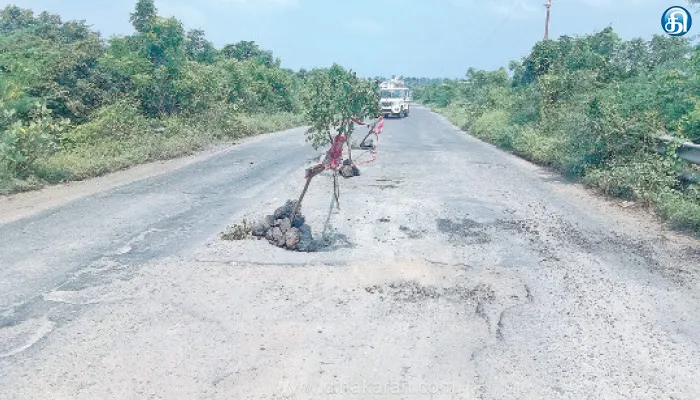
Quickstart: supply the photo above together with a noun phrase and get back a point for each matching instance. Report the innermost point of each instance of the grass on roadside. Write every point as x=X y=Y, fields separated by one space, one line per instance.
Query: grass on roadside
x=119 y=137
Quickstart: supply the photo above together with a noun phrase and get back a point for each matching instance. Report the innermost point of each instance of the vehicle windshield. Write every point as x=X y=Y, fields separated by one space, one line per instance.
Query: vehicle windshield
x=392 y=94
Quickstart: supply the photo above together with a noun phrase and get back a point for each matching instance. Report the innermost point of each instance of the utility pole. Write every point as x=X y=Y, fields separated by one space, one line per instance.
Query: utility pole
x=546 y=23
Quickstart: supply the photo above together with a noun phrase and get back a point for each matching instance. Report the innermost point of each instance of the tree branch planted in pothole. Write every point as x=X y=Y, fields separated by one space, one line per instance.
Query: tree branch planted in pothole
x=336 y=101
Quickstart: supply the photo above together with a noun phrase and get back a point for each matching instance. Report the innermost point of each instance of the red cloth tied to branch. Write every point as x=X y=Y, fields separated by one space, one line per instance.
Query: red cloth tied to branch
x=380 y=126
x=377 y=131
x=334 y=156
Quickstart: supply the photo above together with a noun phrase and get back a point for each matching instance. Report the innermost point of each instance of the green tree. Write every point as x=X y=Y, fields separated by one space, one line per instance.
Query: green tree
x=164 y=43
x=333 y=96
x=246 y=50
x=144 y=15
x=13 y=18
x=199 y=48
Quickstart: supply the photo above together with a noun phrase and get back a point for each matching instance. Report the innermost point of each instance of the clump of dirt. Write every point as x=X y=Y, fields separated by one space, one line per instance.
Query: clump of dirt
x=349 y=170
x=238 y=232
x=286 y=230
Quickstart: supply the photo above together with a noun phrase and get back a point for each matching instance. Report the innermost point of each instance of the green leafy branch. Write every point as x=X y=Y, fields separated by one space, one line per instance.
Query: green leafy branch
x=332 y=98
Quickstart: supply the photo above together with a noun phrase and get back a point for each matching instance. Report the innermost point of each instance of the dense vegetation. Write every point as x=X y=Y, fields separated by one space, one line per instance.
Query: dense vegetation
x=592 y=107
x=74 y=105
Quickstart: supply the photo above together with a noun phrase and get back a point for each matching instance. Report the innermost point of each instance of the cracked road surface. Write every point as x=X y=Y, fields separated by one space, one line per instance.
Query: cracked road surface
x=453 y=271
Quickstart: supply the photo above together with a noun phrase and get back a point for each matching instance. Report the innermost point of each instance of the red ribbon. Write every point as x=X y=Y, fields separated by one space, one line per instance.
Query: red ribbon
x=377 y=132
x=334 y=155
x=357 y=122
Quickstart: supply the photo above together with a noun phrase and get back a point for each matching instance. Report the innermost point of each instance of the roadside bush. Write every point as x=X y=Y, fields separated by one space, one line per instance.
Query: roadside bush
x=690 y=125
x=570 y=130
x=253 y=124
x=199 y=87
x=117 y=122
x=459 y=114
x=634 y=178
x=494 y=127
x=681 y=208
x=534 y=146
x=23 y=143
x=526 y=106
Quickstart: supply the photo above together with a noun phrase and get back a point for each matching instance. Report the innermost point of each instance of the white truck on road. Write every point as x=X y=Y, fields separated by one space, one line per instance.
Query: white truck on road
x=395 y=99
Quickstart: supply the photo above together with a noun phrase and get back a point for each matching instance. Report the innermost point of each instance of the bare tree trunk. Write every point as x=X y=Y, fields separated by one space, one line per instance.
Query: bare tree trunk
x=310 y=174
x=336 y=189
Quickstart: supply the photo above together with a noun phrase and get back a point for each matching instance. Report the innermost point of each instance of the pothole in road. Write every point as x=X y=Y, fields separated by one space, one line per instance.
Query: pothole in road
x=489 y=165
x=413 y=292
x=410 y=233
x=487 y=298
x=384 y=187
x=547 y=238
x=466 y=230
x=474 y=232
x=451 y=301
x=386 y=183
x=395 y=181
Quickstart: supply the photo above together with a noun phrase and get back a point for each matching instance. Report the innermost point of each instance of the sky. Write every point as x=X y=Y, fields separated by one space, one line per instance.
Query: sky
x=422 y=38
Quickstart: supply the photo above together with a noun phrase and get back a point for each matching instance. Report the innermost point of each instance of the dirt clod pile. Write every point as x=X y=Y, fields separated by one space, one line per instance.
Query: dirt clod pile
x=349 y=170
x=282 y=230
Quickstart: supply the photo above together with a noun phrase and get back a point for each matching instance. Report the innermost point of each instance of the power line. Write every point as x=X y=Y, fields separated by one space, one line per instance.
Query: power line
x=505 y=19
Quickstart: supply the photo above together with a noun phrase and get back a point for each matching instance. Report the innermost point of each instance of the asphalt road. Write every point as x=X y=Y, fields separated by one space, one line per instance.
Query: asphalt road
x=452 y=271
